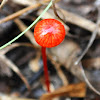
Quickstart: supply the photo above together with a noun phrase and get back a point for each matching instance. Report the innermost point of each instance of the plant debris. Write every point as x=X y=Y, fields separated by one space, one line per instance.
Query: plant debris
x=21 y=66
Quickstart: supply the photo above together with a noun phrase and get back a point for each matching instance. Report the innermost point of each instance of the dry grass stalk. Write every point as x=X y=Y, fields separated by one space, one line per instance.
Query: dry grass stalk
x=59 y=71
x=14 y=45
x=28 y=34
x=10 y=64
x=19 y=13
x=3 y=3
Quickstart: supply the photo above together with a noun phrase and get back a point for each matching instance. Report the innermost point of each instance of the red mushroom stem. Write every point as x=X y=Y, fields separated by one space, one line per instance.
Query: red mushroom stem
x=46 y=74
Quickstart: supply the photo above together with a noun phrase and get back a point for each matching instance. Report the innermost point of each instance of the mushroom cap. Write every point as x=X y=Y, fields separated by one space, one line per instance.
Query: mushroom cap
x=49 y=33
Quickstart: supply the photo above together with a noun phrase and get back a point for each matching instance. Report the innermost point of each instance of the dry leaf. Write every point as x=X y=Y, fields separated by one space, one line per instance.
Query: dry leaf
x=73 y=90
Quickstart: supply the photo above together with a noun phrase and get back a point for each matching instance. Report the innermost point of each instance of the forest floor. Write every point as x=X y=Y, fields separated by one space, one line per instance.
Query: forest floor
x=74 y=65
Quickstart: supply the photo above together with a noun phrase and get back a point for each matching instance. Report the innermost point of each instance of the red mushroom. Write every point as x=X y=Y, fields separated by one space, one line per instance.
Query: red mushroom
x=48 y=33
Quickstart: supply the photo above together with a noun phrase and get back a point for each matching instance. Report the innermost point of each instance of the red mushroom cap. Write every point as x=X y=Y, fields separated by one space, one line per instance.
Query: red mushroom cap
x=49 y=32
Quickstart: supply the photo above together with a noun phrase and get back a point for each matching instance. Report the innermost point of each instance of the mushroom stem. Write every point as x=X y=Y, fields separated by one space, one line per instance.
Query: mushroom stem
x=46 y=74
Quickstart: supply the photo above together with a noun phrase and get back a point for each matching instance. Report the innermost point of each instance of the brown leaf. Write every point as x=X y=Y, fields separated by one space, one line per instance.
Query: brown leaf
x=73 y=90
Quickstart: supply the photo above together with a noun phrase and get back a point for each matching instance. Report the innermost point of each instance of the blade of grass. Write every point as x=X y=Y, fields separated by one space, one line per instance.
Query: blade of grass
x=87 y=81
x=5 y=45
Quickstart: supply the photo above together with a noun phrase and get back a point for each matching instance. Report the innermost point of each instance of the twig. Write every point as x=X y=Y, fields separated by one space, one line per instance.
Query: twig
x=32 y=79
x=30 y=2
x=28 y=34
x=87 y=81
x=50 y=15
x=62 y=20
x=3 y=3
x=91 y=39
x=59 y=71
x=15 y=69
x=84 y=52
x=14 y=45
x=79 y=21
x=19 y=13
x=55 y=12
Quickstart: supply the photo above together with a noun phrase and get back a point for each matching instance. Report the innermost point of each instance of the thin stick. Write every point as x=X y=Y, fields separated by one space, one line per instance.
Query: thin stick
x=14 y=45
x=19 y=13
x=29 y=33
x=78 y=20
x=55 y=12
x=94 y=34
x=15 y=69
x=3 y=3
x=62 y=20
x=87 y=81
x=88 y=46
